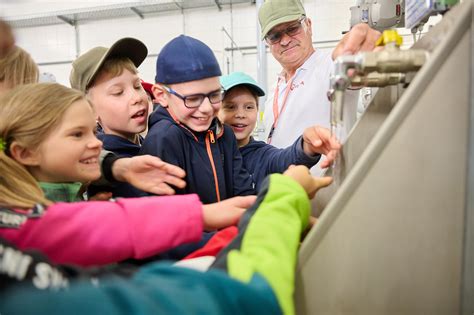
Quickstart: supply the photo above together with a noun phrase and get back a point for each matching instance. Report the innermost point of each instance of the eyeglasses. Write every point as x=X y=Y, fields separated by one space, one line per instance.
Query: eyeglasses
x=292 y=30
x=195 y=100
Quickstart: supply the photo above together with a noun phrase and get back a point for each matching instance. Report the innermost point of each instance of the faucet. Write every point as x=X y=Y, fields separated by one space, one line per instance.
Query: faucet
x=371 y=69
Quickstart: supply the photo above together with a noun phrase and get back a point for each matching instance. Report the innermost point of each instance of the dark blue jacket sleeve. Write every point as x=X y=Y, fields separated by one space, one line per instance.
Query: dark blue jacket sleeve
x=243 y=184
x=280 y=159
x=164 y=140
x=262 y=159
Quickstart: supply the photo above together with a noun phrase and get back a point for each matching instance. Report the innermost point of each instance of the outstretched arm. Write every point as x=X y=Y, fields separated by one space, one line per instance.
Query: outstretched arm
x=222 y=214
x=149 y=173
x=269 y=234
x=310 y=184
x=360 y=38
x=318 y=140
x=102 y=232
x=260 y=263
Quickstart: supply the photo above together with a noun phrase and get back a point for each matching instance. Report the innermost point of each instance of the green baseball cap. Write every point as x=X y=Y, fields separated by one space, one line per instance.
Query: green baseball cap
x=86 y=66
x=274 y=12
x=240 y=78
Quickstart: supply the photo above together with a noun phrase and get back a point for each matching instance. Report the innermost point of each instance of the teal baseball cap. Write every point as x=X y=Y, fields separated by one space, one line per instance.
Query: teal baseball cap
x=240 y=78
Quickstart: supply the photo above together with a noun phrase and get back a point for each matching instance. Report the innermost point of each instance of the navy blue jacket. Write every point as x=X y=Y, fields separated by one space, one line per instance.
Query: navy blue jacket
x=122 y=148
x=211 y=159
x=262 y=159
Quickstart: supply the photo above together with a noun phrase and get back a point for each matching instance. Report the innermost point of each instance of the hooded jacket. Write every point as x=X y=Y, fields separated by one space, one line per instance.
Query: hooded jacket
x=35 y=271
x=255 y=274
x=262 y=159
x=121 y=147
x=103 y=232
x=211 y=159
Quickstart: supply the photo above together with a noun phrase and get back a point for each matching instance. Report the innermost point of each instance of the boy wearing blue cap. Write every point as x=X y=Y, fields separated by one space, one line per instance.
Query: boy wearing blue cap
x=185 y=132
x=239 y=110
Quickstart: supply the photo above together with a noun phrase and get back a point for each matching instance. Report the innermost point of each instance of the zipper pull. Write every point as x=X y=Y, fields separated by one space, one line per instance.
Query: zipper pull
x=211 y=136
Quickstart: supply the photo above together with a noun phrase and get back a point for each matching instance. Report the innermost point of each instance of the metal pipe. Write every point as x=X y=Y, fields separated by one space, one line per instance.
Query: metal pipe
x=232 y=41
x=65 y=19
x=254 y=47
x=261 y=61
x=371 y=69
x=137 y=12
x=232 y=34
x=375 y=79
x=219 y=5
x=78 y=41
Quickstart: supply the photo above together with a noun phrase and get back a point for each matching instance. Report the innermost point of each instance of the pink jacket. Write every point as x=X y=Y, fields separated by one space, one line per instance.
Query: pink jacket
x=103 y=232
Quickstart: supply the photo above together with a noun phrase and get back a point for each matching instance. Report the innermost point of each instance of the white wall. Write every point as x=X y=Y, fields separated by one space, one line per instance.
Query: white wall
x=57 y=43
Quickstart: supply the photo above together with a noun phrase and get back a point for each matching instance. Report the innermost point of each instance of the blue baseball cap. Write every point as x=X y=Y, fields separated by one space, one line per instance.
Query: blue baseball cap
x=239 y=78
x=185 y=59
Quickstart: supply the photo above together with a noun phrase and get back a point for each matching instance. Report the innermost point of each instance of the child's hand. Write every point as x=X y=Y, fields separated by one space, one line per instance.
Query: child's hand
x=225 y=213
x=317 y=139
x=149 y=173
x=101 y=196
x=310 y=184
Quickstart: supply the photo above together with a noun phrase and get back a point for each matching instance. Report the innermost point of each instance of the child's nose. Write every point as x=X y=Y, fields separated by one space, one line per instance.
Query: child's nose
x=95 y=143
x=240 y=113
x=137 y=96
x=205 y=106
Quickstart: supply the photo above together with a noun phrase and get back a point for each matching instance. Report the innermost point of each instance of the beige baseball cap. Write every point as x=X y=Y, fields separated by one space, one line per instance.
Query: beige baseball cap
x=274 y=12
x=86 y=66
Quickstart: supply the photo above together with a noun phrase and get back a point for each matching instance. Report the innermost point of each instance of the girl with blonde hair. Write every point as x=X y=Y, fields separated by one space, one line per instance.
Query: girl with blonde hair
x=47 y=144
x=17 y=67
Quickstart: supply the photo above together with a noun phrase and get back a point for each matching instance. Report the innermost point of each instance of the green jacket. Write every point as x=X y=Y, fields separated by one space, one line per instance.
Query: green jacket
x=253 y=275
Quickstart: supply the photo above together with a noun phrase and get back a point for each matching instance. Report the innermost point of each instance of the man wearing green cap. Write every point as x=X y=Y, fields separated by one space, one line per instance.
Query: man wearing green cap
x=299 y=98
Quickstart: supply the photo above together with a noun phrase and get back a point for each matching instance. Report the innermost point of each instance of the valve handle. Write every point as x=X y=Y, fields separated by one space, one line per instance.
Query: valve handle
x=389 y=36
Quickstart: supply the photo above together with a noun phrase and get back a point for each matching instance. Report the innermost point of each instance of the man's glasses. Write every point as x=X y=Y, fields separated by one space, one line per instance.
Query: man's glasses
x=292 y=30
x=195 y=100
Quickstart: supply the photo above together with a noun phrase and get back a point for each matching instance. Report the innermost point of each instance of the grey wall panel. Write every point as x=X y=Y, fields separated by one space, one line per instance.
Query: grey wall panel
x=390 y=239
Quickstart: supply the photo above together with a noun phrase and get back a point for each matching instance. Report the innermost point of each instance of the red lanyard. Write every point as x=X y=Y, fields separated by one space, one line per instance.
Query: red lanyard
x=276 y=114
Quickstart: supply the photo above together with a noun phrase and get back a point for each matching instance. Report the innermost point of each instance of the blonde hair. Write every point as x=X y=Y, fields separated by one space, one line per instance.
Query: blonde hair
x=114 y=67
x=17 y=67
x=28 y=114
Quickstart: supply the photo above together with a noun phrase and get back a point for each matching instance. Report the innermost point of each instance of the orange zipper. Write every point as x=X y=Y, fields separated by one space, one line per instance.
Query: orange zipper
x=211 y=136
x=209 y=153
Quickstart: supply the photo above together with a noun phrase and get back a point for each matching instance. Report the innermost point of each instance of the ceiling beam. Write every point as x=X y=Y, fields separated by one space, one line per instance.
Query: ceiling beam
x=137 y=12
x=177 y=4
x=66 y=20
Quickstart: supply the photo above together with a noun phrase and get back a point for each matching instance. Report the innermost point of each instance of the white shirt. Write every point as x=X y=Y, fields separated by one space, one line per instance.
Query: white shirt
x=307 y=103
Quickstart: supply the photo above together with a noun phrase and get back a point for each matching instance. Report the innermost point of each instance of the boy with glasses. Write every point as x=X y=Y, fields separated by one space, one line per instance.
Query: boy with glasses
x=185 y=132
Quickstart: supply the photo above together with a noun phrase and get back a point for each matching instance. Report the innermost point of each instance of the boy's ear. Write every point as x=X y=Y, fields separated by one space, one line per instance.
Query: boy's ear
x=159 y=94
x=24 y=155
